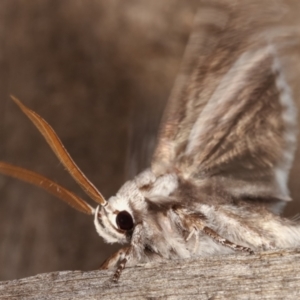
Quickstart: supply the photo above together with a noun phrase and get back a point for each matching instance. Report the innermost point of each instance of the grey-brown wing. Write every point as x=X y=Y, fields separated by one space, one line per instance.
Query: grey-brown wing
x=230 y=120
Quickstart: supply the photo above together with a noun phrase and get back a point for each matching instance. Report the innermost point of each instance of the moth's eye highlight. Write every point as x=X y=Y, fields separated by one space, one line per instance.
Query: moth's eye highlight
x=124 y=220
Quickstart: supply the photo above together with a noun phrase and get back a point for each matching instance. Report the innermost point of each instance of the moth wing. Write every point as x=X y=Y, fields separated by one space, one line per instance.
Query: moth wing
x=230 y=121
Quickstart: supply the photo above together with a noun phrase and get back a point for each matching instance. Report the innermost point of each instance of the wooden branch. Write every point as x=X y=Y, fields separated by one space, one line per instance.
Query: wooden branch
x=267 y=275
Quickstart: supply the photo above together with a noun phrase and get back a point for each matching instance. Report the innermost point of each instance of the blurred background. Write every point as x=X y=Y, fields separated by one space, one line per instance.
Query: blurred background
x=100 y=73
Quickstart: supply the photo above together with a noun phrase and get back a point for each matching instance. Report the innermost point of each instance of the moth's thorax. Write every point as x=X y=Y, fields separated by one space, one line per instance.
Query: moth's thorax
x=131 y=198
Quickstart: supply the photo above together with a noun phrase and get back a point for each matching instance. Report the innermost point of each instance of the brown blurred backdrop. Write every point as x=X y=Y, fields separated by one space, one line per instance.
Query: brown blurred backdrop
x=100 y=73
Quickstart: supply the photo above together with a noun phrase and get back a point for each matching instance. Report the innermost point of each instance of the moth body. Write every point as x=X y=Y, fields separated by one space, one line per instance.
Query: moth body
x=171 y=225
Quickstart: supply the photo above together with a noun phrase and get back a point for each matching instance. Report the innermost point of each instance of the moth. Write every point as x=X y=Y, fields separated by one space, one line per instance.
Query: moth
x=218 y=177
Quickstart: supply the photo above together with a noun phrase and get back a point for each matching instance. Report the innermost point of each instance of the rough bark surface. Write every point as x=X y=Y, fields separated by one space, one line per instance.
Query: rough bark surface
x=268 y=275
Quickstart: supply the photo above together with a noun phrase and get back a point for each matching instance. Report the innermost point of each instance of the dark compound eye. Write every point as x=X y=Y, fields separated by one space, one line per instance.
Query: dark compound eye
x=124 y=220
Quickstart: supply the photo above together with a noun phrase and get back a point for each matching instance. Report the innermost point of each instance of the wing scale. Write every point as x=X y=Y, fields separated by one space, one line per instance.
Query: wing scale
x=230 y=122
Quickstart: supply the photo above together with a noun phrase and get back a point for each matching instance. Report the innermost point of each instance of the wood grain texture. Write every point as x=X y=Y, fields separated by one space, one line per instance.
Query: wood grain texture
x=268 y=275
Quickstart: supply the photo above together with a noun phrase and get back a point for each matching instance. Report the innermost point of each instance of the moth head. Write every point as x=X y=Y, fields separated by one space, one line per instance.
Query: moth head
x=115 y=221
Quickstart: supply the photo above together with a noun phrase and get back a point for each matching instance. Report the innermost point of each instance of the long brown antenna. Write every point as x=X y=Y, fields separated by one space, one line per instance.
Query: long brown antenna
x=62 y=154
x=46 y=184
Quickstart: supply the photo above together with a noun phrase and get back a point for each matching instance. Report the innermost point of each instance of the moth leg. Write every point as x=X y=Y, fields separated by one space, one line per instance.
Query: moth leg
x=194 y=233
x=133 y=252
x=121 y=265
x=119 y=260
x=224 y=242
x=191 y=234
x=194 y=223
x=114 y=259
